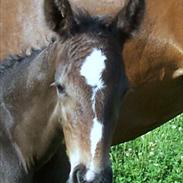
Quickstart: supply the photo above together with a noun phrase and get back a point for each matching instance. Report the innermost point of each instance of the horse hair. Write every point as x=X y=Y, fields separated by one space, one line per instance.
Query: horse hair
x=12 y=60
x=88 y=23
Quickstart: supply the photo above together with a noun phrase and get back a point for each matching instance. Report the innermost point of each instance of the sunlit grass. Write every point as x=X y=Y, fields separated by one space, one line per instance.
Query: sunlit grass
x=156 y=157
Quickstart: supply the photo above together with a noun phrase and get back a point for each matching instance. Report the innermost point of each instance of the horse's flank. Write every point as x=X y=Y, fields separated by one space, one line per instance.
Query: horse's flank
x=22 y=27
x=22 y=23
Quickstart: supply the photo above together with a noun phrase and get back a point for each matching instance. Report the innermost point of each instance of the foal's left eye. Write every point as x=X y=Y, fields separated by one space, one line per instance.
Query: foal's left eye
x=60 y=88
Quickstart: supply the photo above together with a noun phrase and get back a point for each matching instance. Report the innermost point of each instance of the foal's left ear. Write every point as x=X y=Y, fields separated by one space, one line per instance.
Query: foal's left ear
x=129 y=18
x=59 y=16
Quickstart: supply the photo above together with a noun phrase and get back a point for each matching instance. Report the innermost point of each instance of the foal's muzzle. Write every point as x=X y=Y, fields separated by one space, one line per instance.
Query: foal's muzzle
x=80 y=176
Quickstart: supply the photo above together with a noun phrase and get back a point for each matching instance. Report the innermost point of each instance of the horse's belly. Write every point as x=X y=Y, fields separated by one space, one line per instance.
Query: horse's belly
x=147 y=107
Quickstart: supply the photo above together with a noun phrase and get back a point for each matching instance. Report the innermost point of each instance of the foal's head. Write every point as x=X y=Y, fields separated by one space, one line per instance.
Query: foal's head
x=90 y=82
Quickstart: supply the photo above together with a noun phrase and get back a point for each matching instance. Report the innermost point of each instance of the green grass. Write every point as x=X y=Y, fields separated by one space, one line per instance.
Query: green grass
x=156 y=157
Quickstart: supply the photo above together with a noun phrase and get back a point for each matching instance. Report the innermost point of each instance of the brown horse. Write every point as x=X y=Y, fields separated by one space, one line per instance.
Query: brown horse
x=85 y=66
x=154 y=71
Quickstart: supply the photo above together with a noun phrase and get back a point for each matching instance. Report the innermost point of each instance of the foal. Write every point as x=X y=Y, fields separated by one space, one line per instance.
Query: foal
x=86 y=69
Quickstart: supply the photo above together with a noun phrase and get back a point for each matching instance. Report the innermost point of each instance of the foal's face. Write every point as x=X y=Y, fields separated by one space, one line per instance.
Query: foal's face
x=90 y=81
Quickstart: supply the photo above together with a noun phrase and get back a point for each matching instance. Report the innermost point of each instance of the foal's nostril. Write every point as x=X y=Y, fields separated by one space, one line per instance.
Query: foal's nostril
x=78 y=174
x=83 y=175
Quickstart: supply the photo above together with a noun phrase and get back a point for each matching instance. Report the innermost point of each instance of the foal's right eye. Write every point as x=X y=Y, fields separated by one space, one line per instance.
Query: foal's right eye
x=60 y=88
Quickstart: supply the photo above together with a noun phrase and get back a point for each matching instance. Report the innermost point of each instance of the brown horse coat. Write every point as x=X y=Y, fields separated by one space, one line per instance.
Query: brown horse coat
x=154 y=69
x=22 y=26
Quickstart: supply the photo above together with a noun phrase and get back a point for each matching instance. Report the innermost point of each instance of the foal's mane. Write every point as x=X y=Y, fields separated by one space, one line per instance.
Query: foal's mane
x=12 y=60
x=91 y=23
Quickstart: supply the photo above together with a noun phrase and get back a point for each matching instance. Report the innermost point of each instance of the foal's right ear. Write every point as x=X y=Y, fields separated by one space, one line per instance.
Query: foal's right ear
x=59 y=17
x=129 y=18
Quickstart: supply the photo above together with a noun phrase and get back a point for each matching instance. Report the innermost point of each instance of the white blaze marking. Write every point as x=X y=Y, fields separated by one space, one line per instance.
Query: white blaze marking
x=92 y=70
x=74 y=160
x=96 y=135
x=93 y=67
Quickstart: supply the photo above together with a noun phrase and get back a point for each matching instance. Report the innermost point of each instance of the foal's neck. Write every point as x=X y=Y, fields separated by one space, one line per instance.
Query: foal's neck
x=28 y=103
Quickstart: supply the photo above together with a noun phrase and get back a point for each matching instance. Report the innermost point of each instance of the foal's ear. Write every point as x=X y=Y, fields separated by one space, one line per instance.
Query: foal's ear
x=129 y=18
x=59 y=16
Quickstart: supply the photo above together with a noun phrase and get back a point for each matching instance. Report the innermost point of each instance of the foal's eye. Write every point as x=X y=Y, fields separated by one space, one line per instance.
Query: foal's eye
x=60 y=88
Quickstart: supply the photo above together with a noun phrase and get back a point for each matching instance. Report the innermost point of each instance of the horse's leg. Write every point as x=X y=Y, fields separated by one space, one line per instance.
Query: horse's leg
x=11 y=169
x=56 y=170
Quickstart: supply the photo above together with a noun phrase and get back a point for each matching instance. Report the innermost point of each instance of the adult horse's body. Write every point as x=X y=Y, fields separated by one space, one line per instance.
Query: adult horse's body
x=75 y=84
x=154 y=69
